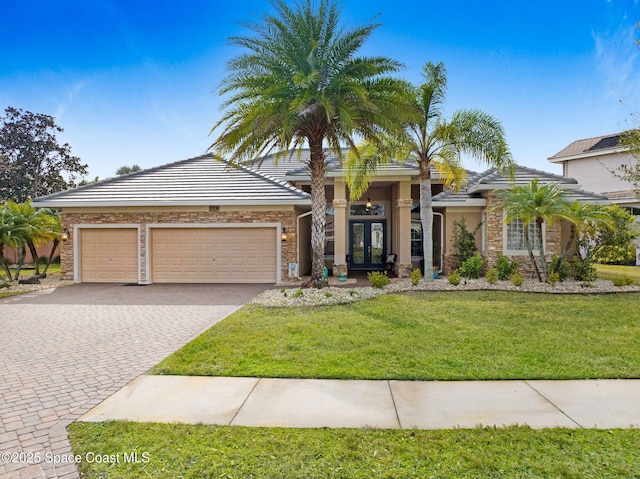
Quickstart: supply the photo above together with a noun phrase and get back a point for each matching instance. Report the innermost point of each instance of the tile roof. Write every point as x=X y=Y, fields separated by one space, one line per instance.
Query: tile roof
x=202 y=180
x=589 y=145
x=493 y=179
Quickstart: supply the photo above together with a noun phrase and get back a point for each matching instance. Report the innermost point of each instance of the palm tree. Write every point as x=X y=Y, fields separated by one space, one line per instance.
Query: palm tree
x=586 y=219
x=12 y=234
x=539 y=204
x=300 y=84
x=432 y=141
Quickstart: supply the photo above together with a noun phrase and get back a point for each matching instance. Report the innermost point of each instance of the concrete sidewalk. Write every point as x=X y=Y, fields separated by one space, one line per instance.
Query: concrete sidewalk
x=381 y=404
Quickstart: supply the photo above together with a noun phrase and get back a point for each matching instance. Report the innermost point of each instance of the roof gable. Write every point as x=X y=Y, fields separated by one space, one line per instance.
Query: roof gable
x=589 y=146
x=202 y=180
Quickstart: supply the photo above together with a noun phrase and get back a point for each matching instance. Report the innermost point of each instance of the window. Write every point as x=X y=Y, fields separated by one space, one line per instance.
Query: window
x=416 y=238
x=514 y=237
x=330 y=232
x=376 y=209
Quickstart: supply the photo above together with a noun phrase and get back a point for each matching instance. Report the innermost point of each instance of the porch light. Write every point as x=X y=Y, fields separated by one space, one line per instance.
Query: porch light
x=368 y=205
x=283 y=237
x=65 y=234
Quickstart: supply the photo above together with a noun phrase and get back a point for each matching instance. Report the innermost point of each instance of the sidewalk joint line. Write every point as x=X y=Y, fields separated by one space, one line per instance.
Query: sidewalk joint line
x=395 y=408
x=245 y=401
x=553 y=404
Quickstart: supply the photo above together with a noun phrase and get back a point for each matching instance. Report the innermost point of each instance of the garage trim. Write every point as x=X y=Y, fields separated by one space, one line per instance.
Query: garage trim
x=77 y=247
x=277 y=227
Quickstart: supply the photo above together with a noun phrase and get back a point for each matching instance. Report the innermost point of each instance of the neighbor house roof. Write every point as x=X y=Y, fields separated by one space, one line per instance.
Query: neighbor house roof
x=197 y=181
x=493 y=179
x=589 y=147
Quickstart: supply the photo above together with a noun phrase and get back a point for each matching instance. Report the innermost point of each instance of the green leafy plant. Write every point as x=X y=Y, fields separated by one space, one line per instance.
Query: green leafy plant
x=378 y=279
x=584 y=270
x=328 y=294
x=553 y=278
x=297 y=293
x=454 y=278
x=492 y=275
x=471 y=267
x=624 y=280
x=415 y=276
x=586 y=284
x=464 y=241
x=4 y=285
x=615 y=254
x=505 y=267
x=562 y=268
x=517 y=279
x=282 y=290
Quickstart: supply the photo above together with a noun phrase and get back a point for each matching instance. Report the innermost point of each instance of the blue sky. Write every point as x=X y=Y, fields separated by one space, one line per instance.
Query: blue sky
x=136 y=82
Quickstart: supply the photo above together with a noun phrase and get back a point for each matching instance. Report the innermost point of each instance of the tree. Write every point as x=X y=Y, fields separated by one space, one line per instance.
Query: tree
x=539 y=204
x=11 y=235
x=431 y=140
x=125 y=170
x=299 y=83
x=614 y=245
x=32 y=162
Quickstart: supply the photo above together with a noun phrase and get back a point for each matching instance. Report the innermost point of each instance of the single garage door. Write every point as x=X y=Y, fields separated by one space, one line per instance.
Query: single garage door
x=109 y=255
x=213 y=255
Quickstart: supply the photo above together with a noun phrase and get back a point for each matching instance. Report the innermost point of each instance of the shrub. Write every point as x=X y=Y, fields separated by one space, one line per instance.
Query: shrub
x=378 y=279
x=623 y=280
x=584 y=270
x=297 y=293
x=415 y=276
x=506 y=268
x=328 y=294
x=464 y=241
x=492 y=275
x=517 y=279
x=454 y=278
x=471 y=267
x=615 y=254
x=4 y=285
x=553 y=278
x=563 y=270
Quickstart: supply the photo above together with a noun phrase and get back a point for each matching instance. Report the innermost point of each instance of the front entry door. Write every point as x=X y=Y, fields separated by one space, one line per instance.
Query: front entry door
x=367 y=248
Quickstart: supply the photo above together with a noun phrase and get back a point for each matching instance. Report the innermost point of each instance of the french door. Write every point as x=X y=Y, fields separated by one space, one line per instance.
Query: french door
x=367 y=244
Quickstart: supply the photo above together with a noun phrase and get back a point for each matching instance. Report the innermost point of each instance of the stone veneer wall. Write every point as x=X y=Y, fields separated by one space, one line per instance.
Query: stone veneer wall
x=286 y=218
x=495 y=226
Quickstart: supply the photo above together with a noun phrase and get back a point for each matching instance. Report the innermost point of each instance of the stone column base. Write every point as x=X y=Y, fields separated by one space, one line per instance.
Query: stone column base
x=339 y=269
x=404 y=270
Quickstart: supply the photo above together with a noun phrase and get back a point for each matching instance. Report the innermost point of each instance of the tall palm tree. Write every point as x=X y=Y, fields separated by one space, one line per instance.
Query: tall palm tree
x=300 y=83
x=431 y=140
x=539 y=204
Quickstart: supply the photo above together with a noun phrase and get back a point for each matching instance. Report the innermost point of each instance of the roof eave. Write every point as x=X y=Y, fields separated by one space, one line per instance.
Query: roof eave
x=125 y=203
x=466 y=202
x=587 y=154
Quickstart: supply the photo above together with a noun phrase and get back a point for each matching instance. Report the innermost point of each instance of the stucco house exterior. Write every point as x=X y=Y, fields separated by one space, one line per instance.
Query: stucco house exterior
x=200 y=220
x=591 y=162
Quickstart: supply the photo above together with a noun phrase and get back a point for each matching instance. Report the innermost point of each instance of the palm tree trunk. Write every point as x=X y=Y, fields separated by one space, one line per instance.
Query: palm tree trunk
x=34 y=255
x=426 y=218
x=5 y=266
x=532 y=257
x=56 y=242
x=543 y=260
x=21 y=255
x=318 y=211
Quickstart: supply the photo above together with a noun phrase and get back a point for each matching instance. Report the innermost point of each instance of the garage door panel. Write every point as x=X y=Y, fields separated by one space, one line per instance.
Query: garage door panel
x=109 y=255
x=213 y=255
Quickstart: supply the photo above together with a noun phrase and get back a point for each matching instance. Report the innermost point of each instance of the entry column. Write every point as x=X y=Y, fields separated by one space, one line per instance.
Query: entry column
x=340 y=225
x=404 y=204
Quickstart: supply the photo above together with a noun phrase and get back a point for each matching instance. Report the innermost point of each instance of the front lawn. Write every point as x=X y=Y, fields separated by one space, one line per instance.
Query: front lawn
x=610 y=271
x=426 y=336
x=184 y=451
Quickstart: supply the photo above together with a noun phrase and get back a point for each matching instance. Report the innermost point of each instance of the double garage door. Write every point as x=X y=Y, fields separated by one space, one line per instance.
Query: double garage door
x=181 y=255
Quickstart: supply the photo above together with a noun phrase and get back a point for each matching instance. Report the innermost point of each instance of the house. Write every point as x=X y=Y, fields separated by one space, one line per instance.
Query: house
x=592 y=162
x=200 y=220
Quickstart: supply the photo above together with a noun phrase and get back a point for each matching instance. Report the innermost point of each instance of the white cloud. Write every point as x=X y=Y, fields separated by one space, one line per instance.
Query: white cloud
x=618 y=60
x=69 y=96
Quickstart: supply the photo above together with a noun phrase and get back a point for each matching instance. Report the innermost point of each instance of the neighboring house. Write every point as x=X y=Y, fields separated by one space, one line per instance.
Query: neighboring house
x=200 y=220
x=592 y=161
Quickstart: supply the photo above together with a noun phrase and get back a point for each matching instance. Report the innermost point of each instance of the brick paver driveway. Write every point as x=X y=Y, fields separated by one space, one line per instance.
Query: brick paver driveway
x=64 y=352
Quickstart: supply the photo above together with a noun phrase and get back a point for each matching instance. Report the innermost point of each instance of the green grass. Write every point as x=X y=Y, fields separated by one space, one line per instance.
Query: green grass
x=26 y=272
x=609 y=271
x=426 y=336
x=182 y=451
